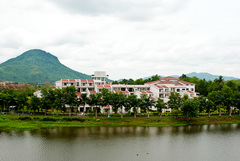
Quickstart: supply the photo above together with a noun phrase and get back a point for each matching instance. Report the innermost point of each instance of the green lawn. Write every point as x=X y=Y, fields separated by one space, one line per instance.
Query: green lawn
x=26 y=122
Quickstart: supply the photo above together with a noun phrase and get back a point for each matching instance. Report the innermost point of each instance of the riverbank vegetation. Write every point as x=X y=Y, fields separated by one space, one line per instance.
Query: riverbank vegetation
x=56 y=107
x=15 y=122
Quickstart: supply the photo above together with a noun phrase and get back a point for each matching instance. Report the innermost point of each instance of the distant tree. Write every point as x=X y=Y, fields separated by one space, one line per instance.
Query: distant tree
x=134 y=103
x=209 y=105
x=139 y=81
x=46 y=84
x=190 y=108
x=160 y=106
x=70 y=98
x=34 y=103
x=174 y=100
x=217 y=98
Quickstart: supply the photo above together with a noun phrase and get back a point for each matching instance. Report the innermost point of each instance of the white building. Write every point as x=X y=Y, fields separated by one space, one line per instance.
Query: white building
x=161 y=88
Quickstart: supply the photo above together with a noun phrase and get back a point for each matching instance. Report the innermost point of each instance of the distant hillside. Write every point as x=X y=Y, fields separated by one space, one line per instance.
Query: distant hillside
x=208 y=76
x=37 y=66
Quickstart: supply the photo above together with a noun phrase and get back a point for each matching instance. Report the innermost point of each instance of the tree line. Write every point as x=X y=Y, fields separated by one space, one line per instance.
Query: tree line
x=216 y=95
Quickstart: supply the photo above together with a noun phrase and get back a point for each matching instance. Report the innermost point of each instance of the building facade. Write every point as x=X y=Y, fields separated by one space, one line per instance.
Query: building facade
x=161 y=88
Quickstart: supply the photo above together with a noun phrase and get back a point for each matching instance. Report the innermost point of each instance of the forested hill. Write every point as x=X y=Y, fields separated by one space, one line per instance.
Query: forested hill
x=37 y=66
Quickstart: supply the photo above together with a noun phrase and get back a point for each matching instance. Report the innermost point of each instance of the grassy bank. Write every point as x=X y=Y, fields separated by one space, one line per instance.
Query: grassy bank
x=15 y=122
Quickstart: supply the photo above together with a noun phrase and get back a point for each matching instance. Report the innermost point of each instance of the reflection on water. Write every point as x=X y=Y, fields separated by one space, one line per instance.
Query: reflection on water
x=198 y=142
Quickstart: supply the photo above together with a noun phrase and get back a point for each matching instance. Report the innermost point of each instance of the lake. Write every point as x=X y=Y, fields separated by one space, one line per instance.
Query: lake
x=183 y=143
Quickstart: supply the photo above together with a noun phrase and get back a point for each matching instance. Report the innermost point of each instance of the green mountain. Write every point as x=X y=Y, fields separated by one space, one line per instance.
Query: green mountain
x=37 y=66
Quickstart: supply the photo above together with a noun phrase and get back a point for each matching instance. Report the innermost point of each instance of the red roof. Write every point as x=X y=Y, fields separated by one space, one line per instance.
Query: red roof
x=167 y=82
x=104 y=86
x=152 y=82
x=83 y=80
x=64 y=80
x=91 y=80
x=168 y=77
x=190 y=92
x=143 y=91
x=72 y=80
x=92 y=92
x=124 y=92
x=153 y=98
x=107 y=86
x=184 y=82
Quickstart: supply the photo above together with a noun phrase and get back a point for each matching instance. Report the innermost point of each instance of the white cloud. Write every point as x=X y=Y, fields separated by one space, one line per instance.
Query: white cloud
x=127 y=38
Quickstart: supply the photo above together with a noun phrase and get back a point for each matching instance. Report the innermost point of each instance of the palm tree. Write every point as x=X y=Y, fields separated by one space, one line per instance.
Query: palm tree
x=122 y=102
x=160 y=105
x=134 y=103
x=34 y=103
x=237 y=104
x=84 y=100
x=70 y=98
x=3 y=102
x=209 y=105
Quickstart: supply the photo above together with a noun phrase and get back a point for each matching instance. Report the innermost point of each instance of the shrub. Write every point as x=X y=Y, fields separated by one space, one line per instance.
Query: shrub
x=36 y=118
x=49 y=119
x=73 y=119
x=25 y=118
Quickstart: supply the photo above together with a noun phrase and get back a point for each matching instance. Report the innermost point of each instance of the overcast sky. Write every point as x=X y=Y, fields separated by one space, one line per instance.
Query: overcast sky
x=127 y=38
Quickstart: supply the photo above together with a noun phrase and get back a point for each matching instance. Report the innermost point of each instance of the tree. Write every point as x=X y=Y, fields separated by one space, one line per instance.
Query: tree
x=160 y=105
x=134 y=103
x=227 y=93
x=95 y=100
x=34 y=103
x=3 y=101
x=237 y=104
x=21 y=100
x=217 y=98
x=209 y=105
x=146 y=102
x=84 y=100
x=59 y=99
x=190 y=108
x=122 y=102
x=70 y=98
x=174 y=101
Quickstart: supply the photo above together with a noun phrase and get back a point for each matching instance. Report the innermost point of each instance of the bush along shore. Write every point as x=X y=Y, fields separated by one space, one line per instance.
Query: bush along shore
x=27 y=122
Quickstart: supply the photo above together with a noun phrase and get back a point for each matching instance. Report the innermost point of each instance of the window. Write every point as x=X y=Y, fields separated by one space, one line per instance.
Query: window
x=64 y=84
x=178 y=90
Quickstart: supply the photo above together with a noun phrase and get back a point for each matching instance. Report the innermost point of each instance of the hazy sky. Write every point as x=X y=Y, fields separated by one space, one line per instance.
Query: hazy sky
x=127 y=38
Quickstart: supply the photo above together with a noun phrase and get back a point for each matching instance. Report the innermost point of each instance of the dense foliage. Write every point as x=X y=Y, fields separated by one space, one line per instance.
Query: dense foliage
x=216 y=97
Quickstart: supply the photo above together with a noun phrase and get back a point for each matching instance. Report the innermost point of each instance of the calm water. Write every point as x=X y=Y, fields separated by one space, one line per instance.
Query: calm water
x=186 y=143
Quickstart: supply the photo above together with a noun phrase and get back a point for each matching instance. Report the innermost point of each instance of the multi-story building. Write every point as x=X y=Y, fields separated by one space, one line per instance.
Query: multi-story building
x=3 y=83
x=161 y=88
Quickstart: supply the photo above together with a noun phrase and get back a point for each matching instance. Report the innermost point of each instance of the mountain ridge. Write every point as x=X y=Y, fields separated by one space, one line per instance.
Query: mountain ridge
x=203 y=75
x=37 y=66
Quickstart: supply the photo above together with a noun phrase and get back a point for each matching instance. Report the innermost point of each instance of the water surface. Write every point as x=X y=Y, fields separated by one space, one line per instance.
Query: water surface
x=185 y=143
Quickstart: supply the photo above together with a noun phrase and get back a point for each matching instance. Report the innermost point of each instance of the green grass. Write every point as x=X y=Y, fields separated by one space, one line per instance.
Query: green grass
x=26 y=122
